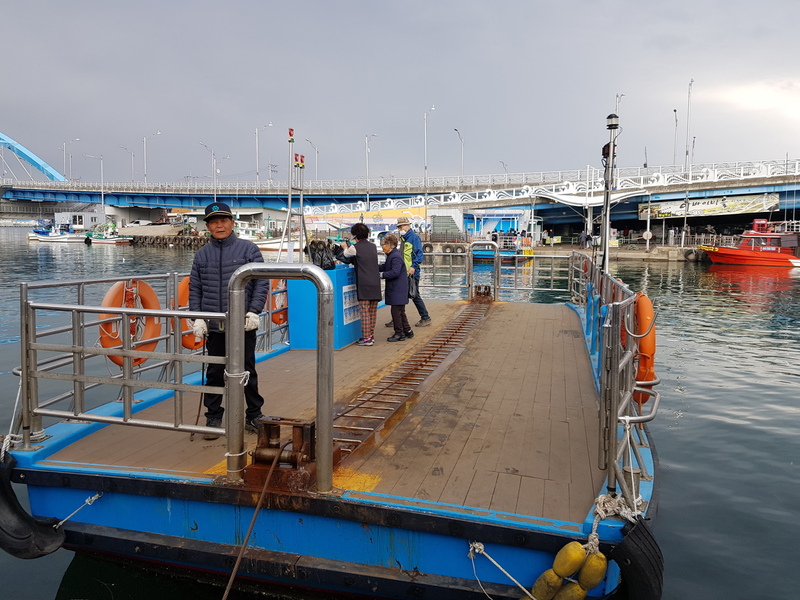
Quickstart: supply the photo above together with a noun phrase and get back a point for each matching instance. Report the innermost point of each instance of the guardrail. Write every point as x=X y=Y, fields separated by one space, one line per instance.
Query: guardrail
x=67 y=363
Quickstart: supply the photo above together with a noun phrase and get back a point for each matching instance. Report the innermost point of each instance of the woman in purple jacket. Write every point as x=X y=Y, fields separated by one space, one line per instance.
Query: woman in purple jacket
x=396 y=276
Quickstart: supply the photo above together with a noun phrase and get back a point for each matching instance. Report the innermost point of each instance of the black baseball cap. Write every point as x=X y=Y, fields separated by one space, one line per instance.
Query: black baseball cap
x=217 y=209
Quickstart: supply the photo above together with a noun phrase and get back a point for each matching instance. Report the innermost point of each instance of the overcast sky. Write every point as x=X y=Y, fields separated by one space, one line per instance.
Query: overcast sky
x=525 y=82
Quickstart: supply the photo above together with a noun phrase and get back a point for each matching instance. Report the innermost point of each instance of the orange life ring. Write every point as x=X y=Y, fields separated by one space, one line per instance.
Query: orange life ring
x=280 y=309
x=644 y=316
x=188 y=340
x=130 y=294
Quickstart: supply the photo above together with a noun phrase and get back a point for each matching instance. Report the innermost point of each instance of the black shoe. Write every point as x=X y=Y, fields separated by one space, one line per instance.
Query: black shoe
x=253 y=424
x=211 y=422
x=389 y=324
x=409 y=333
x=396 y=338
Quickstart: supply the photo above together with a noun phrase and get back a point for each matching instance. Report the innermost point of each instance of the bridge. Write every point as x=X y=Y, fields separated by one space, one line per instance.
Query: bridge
x=559 y=197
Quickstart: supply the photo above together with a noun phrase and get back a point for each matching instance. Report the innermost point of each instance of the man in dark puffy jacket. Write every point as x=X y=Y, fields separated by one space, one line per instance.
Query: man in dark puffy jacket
x=212 y=268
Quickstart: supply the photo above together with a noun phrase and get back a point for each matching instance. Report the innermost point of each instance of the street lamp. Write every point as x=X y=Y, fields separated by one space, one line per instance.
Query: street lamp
x=688 y=115
x=102 y=184
x=144 y=152
x=316 y=159
x=366 y=155
x=131 y=153
x=214 y=169
x=609 y=154
x=64 y=148
x=462 y=151
x=257 y=160
x=675 y=142
x=425 y=136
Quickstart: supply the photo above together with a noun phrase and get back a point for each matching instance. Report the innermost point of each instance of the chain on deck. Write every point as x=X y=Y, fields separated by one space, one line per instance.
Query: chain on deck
x=371 y=409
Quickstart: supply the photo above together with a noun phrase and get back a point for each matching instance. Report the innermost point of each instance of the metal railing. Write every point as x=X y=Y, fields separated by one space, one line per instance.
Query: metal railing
x=68 y=364
x=607 y=310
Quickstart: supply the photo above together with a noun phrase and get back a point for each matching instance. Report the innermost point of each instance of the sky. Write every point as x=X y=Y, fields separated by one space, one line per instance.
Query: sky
x=527 y=84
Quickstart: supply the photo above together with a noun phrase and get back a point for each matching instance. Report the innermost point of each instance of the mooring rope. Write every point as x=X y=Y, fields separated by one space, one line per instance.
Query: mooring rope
x=253 y=520
x=478 y=548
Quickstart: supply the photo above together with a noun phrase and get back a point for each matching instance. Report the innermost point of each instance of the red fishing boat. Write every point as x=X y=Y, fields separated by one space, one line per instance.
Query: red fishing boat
x=767 y=244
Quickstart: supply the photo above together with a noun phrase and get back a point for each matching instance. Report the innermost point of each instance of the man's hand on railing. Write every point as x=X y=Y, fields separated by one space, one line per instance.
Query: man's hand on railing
x=251 y=321
x=200 y=329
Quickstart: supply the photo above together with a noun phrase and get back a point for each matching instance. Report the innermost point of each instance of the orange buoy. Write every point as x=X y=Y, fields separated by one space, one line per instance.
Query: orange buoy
x=644 y=316
x=130 y=294
x=188 y=340
x=280 y=308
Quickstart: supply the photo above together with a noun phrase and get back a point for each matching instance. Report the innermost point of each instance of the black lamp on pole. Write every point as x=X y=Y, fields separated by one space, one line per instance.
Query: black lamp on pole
x=609 y=154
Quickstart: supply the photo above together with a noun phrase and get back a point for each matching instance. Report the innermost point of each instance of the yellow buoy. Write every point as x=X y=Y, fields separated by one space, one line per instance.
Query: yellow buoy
x=569 y=559
x=593 y=571
x=547 y=585
x=571 y=591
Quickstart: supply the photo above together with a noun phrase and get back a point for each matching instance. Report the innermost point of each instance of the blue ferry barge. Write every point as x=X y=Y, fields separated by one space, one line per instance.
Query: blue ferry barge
x=502 y=451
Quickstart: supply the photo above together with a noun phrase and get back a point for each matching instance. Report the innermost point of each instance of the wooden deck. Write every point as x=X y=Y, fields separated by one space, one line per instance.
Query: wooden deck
x=509 y=425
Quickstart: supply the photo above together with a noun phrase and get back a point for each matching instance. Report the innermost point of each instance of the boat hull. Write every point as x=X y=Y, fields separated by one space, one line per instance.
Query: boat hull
x=75 y=238
x=738 y=256
x=374 y=544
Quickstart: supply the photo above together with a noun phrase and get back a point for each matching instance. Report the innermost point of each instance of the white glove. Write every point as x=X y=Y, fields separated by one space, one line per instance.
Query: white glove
x=251 y=321
x=200 y=329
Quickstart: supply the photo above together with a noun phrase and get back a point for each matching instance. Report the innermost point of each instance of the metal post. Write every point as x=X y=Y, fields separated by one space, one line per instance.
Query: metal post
x=235 y=351
x=612 y=124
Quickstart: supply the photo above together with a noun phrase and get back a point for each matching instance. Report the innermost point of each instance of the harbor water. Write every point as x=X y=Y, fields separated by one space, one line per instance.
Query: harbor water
x=729 y=359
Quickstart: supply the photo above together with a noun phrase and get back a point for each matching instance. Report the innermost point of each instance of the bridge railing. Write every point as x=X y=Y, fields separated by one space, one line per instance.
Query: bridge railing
x=586 y=179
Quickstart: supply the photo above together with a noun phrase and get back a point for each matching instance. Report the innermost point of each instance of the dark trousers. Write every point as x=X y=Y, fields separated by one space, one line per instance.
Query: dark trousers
x=215 y=375
x=423 y=312
x=399 y=319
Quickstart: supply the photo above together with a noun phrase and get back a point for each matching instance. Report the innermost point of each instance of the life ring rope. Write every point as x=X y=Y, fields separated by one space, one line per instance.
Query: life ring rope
x=143 y=331
x=645 y=321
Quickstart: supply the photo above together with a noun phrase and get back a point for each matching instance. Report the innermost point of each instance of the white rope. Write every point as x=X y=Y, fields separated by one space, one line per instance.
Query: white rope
x=478 y=548
x=243 y=377
x=88 y=502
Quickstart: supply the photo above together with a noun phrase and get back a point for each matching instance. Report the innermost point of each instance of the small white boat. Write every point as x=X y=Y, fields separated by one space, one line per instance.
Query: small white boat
x=49 y=232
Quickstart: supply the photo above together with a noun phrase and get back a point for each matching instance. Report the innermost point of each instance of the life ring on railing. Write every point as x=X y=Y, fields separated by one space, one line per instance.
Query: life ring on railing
x=426 y=247
x=447 y=248
x=644 y=315
x=130 y=294
x=280 y=305
x=188 y=340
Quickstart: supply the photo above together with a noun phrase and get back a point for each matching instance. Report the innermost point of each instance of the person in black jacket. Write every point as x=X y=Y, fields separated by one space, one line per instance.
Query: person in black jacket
x=364 y=255
x=396 y=276
x=212 y=268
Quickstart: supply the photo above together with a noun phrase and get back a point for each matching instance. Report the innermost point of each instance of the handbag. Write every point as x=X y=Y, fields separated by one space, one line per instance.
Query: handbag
x=413 y=287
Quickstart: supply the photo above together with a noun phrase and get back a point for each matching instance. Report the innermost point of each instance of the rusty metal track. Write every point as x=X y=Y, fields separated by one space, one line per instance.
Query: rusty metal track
x=368 y=412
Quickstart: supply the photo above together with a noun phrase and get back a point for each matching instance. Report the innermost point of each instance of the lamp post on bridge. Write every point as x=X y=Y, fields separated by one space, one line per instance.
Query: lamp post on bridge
x=366 y=157
x=102 y=185
x=462 y=151
x=316 y=159
x=131 y=153
x=258 y=166
x=144 y=152
x=425 y=139
x=214 y=170
x=64 y=148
